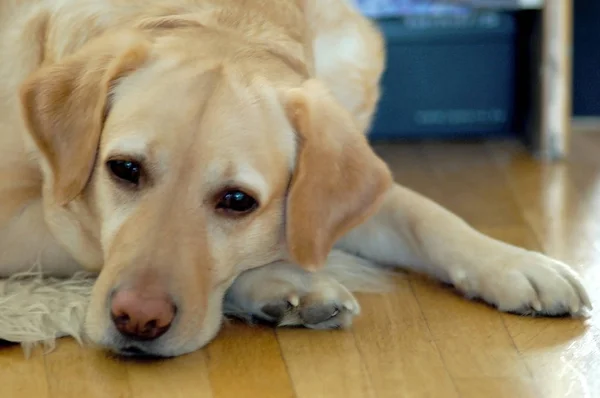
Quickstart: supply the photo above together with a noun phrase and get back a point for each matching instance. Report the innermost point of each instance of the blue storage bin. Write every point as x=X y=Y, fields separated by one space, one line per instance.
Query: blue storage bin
x=586 y=58
x=447 y=76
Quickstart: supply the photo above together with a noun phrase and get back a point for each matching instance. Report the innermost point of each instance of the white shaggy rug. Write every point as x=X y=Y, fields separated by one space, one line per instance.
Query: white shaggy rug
x=37 y=310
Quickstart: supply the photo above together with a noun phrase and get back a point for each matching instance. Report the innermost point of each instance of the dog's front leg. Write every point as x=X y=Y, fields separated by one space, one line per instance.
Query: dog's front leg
x=414 y=232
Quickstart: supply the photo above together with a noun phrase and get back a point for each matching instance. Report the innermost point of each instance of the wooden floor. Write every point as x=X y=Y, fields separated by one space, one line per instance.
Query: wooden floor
x=421 y=341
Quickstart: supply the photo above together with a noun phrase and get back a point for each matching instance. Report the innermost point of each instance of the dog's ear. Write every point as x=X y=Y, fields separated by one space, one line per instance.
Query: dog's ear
x=64 y=106
x=338 y=181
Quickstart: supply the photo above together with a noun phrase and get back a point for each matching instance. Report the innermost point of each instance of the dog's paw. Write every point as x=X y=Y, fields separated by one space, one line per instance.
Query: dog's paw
x=327 y=305
x=525 y=283
x=321 y=304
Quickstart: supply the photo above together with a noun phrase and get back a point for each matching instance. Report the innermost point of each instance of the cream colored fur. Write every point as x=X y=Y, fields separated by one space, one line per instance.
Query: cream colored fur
x=272 y=97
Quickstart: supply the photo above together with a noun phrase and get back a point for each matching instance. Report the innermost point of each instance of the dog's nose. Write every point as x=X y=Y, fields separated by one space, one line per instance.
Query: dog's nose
x=141 y=317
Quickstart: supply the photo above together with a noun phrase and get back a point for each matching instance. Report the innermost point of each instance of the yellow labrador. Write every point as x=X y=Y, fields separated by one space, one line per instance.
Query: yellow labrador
x=193 y=151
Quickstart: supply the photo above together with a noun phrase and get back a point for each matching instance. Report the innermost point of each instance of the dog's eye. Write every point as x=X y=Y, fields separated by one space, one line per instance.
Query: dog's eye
x=126 y=170
x=236 y=202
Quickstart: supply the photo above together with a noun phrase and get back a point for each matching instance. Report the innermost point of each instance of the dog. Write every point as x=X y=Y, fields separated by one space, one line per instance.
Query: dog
x=209 y=157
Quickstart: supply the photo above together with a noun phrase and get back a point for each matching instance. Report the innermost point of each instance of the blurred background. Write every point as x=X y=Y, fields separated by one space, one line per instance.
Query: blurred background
x=460 y=69
x=586 y=58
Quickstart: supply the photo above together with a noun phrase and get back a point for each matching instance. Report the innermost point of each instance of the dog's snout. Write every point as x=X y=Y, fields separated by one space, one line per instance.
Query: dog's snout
x=140 y=317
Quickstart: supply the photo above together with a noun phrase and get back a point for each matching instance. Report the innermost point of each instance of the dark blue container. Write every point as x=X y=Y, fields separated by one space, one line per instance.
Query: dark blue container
x=447 y=76
x=586 y=58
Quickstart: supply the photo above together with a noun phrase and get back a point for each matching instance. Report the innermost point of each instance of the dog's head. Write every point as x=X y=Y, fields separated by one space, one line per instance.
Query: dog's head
x=172 y=172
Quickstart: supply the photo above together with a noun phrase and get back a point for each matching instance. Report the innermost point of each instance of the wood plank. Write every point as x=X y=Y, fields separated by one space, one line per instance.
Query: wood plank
x=497 y=388
x=398 y=349
x=22 y=377
x=324 y=364
x=246 y=362
x=74 y=371
x=181 y=377
x=467 y=183
x=471 y=337
x=562 y=204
